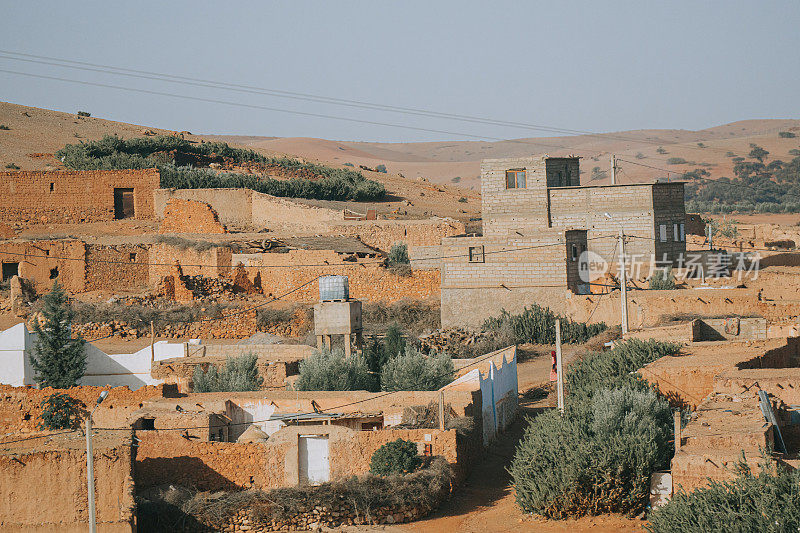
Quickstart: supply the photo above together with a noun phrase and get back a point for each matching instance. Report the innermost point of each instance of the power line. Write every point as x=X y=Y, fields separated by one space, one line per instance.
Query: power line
x=318 y=265
x=292 y=112
x=200 y=82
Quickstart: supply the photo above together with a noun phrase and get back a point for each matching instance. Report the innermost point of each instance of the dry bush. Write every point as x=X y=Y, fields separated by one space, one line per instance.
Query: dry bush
x=186 y=244
x=414 y=316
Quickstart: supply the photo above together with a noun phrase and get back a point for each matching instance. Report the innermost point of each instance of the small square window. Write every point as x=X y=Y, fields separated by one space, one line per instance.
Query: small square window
x=132 y=257
x=476 y=254
x=662 y=229
x=515 y=179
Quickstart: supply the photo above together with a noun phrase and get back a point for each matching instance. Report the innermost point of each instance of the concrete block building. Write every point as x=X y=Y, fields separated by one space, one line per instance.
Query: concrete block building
x=537 y=222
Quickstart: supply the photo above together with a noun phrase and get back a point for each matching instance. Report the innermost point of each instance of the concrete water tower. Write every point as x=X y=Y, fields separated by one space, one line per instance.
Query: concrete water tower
x=336 y=314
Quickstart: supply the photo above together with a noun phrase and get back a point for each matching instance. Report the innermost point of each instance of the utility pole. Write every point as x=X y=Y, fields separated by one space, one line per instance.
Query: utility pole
x=90 y=465
x=613 y=169
x=623 y=282
x=559 y=369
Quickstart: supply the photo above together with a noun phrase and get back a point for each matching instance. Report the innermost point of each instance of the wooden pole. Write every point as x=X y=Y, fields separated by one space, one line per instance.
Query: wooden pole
x=441 y=410
x=677 y=416
x=152 y=342
x=559 y=368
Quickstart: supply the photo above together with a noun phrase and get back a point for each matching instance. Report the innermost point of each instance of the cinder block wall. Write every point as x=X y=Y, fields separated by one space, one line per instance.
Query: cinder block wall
x=506 y=211
x=70 y=196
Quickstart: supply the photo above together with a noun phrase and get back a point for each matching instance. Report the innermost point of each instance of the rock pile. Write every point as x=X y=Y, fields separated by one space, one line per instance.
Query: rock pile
x=451 y=340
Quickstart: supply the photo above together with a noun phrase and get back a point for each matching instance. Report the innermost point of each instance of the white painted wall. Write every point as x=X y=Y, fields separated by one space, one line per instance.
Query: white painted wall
x=244 y=412
x=131 y=370
x=499 y=389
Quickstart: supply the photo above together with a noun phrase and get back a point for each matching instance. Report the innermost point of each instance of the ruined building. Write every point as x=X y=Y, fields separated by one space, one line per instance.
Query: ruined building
x=537 y=222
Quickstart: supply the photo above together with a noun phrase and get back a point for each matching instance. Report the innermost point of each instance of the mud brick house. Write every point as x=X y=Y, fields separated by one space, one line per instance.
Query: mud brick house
x=70 y=196
x=537 y=222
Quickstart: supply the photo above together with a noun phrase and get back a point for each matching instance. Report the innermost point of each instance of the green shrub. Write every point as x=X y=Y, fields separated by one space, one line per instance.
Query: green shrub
x=597 y=458
x=394 y=343
x=396 y=457
x=724 y=228
x=349 y=164
x=58 y=359
x=794 y=151
x=113 y=153
x=462 y=200
x=381 y=168
x=769 y=501
x=701 y=145
x=730 y=154
x=661 y=150
x=12 y=166
x=456 y=179
x=84 y=114
x=662 y=279
x=640 y=155
x=615 y=368
x=677 y=161
x=398 y=255
x=4 y=127
x=537 y=325
x=239 y=374
x=60 y=411
x=786 y=135
x=415 y=371
x=333 y=371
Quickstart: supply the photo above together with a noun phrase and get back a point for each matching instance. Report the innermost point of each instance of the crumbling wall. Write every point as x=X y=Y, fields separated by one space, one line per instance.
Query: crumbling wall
x=43 y=262
x=280 y=213
x=43 y=486
x=189 y=216
x=233 y=206
x=200 y=260
x=70 y=196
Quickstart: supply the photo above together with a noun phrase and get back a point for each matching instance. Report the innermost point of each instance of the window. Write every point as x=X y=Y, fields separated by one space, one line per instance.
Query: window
x=132 y=257
x=675 y=233
x=515 y=179
x=10 y=270
x=663 y=232
x=476 y=254
x=683 y=232
x=52 y=186
x=147 y=424
x=575 y=252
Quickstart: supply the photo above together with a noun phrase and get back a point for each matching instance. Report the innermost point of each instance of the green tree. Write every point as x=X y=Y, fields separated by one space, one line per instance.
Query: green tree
x=396 y=457
x=58 y=360
x=381 y=168
x=756 y=152
x=394 y=343
x=334 y=371
x=60 y=411
x=239 y=374
x=415 y=371
x=662 y=279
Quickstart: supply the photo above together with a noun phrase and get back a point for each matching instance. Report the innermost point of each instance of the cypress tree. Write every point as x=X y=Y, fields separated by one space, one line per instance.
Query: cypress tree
x=58 y=360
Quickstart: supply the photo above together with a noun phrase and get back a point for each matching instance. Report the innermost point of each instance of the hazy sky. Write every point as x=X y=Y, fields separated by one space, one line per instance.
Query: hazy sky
x=598 y=66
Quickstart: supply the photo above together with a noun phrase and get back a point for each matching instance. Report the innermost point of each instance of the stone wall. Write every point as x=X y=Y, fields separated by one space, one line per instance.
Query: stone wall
x=71 y=196
x=190 y=216
x=43 y=262
x=116 y=267
x=368 y=277
x=383 y=234
x=43 y=485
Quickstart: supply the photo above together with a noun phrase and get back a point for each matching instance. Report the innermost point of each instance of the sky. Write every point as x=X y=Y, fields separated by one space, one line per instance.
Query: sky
x=590 y=66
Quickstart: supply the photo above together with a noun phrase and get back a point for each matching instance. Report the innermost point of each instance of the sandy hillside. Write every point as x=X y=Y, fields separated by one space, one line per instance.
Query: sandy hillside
x=34 y=135
x=444 y=162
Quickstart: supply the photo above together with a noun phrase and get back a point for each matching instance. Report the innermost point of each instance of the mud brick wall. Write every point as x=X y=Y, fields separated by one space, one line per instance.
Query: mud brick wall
x=167 y=457
x=181 y=371
x=45 y=490
x=383 y=234
x=40 y=197
x=113 y=268
x=20 y=407
x=189 y=216
x=45 y=261
x=211 y=263
x=368 y=278
x=6 y=231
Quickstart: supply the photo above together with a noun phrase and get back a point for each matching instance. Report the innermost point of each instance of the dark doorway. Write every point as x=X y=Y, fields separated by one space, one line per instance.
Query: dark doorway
x=123 y=203
x=10 y=270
